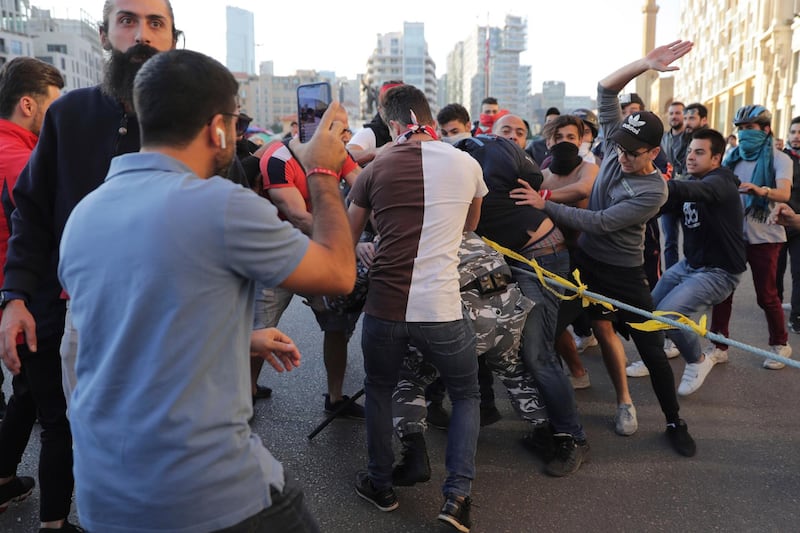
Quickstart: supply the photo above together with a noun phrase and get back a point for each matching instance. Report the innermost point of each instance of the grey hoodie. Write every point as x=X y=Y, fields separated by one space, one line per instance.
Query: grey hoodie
x=612 y=226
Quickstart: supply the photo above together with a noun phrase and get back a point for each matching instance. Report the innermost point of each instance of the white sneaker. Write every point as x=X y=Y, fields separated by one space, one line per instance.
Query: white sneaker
x=719 y=356
x=637 y=370
x=694 y=375
x=625 y=421
x=783 y=350
x=585 y=342
x=670 y=349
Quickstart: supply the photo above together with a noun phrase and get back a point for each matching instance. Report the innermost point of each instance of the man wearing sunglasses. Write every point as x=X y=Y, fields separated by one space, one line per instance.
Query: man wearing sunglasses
x=629 y=191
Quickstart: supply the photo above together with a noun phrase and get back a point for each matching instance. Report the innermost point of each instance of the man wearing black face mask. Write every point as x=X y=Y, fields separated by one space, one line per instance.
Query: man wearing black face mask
x=568 y=180
x=81 y=133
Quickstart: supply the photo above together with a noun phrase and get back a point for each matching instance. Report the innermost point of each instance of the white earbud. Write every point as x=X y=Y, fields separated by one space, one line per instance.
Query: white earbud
x=221 y=135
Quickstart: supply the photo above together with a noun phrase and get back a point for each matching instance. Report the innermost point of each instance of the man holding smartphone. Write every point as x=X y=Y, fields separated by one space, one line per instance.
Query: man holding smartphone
x=160 y=418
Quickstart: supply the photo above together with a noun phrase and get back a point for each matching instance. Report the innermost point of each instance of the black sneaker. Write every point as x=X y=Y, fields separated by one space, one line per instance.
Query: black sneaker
x=570 y=454
x=680 y=439
x=262 y=393
x=455 y=513
x=540 y=441
x=353 y=410
x=70 y=528
x=490 y=415
x=437 y=416
x=794 y=324
x=385 y=500
x=15 y=490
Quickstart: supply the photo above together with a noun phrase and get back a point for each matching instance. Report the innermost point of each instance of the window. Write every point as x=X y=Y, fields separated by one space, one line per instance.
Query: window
x=16 y=48
x=60 y=48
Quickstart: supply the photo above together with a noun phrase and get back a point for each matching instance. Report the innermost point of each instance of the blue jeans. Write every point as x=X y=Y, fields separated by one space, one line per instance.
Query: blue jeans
x=538 y=343
x=450 y=347
x=692 y=291
x=670 y=228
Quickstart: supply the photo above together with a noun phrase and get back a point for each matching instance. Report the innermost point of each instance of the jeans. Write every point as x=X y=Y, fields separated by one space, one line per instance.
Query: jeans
x=450 y=347
x=538 y=343
x=763 y=260
x=287 y=514
x=691 y=291
x=671 y=228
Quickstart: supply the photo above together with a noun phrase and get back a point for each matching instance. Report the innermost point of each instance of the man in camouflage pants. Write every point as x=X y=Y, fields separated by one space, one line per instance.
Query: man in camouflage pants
x=497 y=310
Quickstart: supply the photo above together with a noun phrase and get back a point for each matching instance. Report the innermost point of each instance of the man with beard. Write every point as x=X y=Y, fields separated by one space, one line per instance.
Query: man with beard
x=161 y=406
x=81 y=133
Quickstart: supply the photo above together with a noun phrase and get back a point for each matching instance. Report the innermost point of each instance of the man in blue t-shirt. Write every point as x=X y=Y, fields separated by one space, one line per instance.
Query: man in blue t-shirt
x=160 y=263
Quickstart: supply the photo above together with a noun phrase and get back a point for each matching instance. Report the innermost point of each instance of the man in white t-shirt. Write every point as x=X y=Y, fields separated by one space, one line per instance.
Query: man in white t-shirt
x=422 y=196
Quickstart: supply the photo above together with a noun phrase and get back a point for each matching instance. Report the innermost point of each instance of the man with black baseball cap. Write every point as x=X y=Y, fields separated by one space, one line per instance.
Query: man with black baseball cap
x=629 y=190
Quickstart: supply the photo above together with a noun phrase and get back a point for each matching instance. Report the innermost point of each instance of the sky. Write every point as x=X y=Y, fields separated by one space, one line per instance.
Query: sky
x=575 y=41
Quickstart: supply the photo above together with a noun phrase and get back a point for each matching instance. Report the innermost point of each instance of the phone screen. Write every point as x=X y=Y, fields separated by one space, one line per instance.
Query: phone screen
x=312 y=101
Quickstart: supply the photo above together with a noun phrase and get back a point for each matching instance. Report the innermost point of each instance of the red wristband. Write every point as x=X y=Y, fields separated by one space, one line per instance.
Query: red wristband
x=545 y=193
x=322 y=170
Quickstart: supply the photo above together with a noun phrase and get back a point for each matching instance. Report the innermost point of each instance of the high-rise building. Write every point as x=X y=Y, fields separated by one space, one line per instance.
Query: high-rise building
x=70 y=45
x=400 y=56
x=240 y=37
x=487 y=63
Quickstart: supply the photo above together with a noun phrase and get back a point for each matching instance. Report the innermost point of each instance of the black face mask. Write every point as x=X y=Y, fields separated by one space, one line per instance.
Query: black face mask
x=121 y=70
x=565 y=158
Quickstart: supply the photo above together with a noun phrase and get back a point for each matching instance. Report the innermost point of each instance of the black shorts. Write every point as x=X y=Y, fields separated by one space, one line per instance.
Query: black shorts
x=628 y=285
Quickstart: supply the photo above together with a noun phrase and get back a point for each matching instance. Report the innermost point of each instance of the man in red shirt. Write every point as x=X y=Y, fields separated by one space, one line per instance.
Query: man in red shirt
x=285 y=185
x=27 y=87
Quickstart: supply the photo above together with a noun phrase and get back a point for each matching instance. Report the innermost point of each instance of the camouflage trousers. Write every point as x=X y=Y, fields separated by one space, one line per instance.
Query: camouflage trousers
x=498 y=320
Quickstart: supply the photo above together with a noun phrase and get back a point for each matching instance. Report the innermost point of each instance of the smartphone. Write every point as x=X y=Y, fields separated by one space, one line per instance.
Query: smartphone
x=312 y=101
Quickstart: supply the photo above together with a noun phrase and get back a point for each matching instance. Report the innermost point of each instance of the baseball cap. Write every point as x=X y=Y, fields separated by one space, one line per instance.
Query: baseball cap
x=639 y=130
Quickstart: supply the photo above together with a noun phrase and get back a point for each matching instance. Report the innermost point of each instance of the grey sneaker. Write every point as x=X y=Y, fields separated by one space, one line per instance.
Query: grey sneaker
x=625 y=422
x=784 y=350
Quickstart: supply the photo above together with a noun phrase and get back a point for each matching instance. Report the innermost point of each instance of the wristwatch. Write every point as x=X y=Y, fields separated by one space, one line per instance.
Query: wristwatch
x=8 y=296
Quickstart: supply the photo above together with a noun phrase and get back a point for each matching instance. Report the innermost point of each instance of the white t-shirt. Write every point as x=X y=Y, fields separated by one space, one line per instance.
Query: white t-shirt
x=365 y=139
x=756 y=232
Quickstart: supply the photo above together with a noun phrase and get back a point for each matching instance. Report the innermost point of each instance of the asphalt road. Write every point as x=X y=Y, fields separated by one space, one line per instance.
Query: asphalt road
x=745 y=477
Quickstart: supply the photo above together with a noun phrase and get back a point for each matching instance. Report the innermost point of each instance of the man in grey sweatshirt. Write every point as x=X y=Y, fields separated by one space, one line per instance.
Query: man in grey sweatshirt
x=629 y=190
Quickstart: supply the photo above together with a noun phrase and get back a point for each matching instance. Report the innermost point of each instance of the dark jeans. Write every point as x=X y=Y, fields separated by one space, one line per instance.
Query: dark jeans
x=763 y=260
x=287 y=514
x=792 y=250
x=450 y=347
x=434 y=392
x=630 y=285
x=38 y=391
